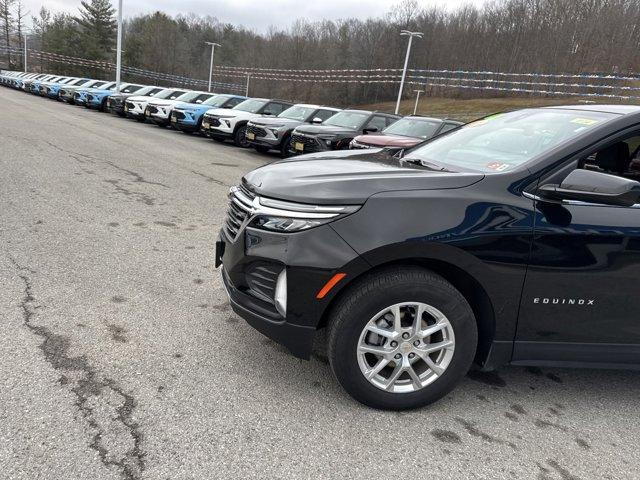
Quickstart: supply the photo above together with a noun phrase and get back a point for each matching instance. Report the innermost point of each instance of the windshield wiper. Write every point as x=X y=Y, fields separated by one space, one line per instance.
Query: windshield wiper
x=426 y=164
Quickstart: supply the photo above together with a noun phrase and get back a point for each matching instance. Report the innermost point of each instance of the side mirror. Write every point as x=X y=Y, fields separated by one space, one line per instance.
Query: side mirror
x=316 y=120
x=198 y=101
x=593 y=187
x=370 y=130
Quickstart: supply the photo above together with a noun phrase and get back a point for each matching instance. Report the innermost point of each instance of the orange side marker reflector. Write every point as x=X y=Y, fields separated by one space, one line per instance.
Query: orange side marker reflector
x=330 y=284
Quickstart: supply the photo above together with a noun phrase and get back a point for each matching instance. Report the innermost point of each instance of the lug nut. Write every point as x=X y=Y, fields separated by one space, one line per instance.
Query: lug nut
x=398 y=356
x=416 y=343
x=405 y=335
x=394 y=344
x=411 y=355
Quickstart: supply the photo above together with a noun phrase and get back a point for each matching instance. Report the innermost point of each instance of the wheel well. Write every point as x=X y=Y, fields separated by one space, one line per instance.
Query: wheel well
x=238 y=125
x=465 y=283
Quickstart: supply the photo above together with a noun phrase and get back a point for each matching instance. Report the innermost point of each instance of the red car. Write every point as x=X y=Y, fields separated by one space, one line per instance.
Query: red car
x=405 y=133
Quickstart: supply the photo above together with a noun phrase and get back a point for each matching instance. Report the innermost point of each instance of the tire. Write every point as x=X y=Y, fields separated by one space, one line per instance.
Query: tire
x=285 y=146
x=262 y=149
x=371 y=296
x=240 y=137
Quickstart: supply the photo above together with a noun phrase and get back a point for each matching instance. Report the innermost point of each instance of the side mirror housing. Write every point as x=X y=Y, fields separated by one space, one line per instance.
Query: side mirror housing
x=316 y=120
x=593 y=187
x=198 y=101
x=370 y=130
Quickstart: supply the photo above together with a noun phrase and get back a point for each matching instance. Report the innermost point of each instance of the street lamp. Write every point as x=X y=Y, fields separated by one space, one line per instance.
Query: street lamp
x=406 y=62
x=119 y=47
x=25 y=52
x=213 y=49
x=415 y=107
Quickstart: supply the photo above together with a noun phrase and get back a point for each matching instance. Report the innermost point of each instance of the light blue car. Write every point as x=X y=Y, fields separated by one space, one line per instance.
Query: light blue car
x=53 y=90
x=187 y=117
x=80 y=97
x=97 y=98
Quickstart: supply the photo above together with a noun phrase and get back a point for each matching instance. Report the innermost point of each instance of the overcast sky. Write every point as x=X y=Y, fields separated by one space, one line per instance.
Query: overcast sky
x=255 y=14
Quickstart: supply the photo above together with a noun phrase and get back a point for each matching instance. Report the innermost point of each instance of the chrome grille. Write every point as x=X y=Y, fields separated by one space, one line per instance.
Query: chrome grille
x=257 y=131
x=240 y=205
x=310 y=143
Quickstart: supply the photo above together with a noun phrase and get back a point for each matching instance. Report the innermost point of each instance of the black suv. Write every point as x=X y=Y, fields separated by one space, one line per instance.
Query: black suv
x=266 y=134
x=337 y=132
x=513 y=239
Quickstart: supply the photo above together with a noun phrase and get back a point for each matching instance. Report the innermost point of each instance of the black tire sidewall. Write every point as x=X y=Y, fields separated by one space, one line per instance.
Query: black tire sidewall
x=367 y=302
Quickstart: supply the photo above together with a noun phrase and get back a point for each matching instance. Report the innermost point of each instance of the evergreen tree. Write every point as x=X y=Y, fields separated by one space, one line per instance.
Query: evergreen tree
x=97 y=29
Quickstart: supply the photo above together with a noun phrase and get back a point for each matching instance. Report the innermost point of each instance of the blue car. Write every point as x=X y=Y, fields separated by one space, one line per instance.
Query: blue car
x=80 y=96
x=34 y=86
x=52 y=90
x=187 y=117
x=97 y=98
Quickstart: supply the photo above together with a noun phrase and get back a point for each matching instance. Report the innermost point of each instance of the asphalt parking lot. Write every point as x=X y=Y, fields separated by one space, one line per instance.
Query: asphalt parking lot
x=120 y=357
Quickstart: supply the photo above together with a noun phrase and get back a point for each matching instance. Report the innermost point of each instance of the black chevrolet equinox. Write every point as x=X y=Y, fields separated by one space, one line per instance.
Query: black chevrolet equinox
x=514 y=239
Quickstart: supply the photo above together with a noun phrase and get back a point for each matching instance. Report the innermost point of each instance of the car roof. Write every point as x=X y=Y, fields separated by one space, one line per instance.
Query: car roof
x=616 y=109
x=371 y=112
x=311 y=105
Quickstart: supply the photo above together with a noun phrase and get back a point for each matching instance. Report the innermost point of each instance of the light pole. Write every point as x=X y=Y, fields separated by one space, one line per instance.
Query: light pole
x=119 y=47
x=406 y=62
x=415 y=107
x=213 y=49
x=25 y=52
x=246 y=91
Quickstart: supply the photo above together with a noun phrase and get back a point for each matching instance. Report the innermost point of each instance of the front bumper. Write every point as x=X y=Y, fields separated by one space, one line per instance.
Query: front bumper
x=216 y=127
x=253 y=261
x=184 y=121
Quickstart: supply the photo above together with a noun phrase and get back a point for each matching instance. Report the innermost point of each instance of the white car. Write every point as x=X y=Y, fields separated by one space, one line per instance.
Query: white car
x=135 y=106
x=159 y=110
x=222 y=124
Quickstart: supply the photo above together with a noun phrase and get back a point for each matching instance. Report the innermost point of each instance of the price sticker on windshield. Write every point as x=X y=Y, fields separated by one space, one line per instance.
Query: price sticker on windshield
x=498 y=167
x=584 y=121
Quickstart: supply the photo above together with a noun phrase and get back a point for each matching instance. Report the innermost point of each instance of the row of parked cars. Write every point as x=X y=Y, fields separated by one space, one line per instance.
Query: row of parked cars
x=262 y=123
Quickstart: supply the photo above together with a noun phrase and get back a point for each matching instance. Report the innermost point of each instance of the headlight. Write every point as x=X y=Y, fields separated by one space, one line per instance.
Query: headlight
x=287 y=217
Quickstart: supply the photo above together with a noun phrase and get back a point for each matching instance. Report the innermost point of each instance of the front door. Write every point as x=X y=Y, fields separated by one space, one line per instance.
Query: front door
x=581 y=297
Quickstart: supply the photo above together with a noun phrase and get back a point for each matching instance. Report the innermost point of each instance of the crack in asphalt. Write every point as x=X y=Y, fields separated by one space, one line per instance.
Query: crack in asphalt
x=210 y=179
x=138 y=178
x=89 y=387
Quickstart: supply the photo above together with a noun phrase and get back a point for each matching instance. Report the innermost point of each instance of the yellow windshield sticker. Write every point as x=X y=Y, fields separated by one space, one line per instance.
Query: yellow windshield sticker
x=584 y=121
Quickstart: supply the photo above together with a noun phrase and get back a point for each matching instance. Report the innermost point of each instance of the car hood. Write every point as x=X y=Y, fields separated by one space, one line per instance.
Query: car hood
x=230 y=113
x=381 y=140
x=96 y=90
x=267 y=121
x=192 y=107
x=348 y=177
x=324 y=129
x=140 y=98
x=164 y=103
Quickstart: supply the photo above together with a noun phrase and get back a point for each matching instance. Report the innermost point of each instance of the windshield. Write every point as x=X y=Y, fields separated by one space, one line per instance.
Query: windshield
x=297 y=113
x=80 y=81
x=347 y=120
x=252 y=105
x=172 y=94
x=95 y=84
x=146 y=90
x=505 y=141
x=216 y=101
x=413 y=127
x=192 y=97
x=131 y=89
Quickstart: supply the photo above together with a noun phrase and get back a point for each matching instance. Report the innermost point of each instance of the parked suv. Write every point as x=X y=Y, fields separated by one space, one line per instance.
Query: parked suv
x=266 y=134
x=116 y=101
x=231 y=124
x=492 y=243
x=67 y=92
x=405 y=133
x=187 y=117
x=337 y=132
x=98 y=98
x=159 y=110
x=136 y=105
